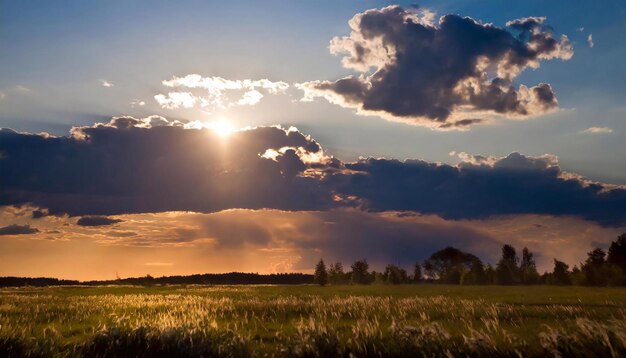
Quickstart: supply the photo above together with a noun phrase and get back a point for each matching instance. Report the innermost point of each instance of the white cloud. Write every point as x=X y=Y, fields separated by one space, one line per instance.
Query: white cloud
x=598 y=130
x=222 y=93
x=250 y=98
x=137 y=103
x=106 y=83
x=590 y=40
x=175 y=100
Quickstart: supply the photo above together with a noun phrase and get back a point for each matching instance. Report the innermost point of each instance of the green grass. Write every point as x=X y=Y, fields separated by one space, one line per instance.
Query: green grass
x=409 y=320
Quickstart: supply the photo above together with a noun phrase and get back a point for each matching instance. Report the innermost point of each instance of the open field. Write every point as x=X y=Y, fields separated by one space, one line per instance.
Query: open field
x=411 y=320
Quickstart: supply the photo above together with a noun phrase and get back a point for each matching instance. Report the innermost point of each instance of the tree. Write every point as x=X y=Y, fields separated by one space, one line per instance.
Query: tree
x=561 y=274
x=360 y=273
x=595 y=268
x=507 y=272
x=417 y=273
x=490 y=275
x=336 y=276
x=476 y=275
x=528 y=268
x=617 y=253
x=321 y=276
x=448 y=265
x=395 y=275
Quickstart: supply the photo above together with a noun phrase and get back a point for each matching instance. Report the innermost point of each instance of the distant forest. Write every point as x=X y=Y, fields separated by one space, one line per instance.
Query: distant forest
x=453 y=266
x=232 y=278
x=447 y=266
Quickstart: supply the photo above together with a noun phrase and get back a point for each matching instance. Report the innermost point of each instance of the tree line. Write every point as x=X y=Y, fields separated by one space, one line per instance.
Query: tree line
x=453 y=266
x=231 y=278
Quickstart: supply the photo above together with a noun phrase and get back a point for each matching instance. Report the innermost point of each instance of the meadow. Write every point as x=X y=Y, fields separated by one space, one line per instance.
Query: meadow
x=306 y=320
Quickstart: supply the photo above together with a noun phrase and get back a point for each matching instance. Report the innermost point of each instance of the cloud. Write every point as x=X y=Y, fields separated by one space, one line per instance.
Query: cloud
x=597 y=130
x=175 y=100
x=134 y=165
x=217 y=92
x=137 y=103
x=38 y=214
x=106 y=83
x=17 y=230
x=150 y=165
x=479 y=188
x=590 y=40
x=443 y=75
x=97 y=221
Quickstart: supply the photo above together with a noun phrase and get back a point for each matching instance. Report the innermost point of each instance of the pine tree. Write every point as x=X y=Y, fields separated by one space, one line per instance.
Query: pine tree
x=528 y=268
x=321 y=276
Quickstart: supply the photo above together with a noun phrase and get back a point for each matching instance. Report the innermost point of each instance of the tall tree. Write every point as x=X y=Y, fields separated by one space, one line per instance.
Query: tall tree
x=417 y=273
x=528 y=268
x=507 y=272
x=561 y=274
x=321 y=276
x=617 y=253
x=360 y=272
x=595 y=268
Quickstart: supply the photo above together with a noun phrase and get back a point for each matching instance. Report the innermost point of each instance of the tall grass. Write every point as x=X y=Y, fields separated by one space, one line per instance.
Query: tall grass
x=240 y=322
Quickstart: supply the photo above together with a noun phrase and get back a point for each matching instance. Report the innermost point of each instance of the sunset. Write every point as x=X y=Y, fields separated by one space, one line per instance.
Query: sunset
x=350 y=164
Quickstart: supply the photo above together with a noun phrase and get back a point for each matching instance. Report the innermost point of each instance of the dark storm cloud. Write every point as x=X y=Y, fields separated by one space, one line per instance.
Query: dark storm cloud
x=152 y=165
x=440 y=75
x=135 y=165
x=97 y=221
x=18 y=230
x=481 y=187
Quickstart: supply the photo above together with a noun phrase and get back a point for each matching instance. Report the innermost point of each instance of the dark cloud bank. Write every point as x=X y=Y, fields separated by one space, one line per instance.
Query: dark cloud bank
x=444 y=74
x=17 y=230
x=97 y=221
x=152 y=165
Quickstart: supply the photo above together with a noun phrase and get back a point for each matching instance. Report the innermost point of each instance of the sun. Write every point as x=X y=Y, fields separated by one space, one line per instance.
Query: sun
x=222 y=127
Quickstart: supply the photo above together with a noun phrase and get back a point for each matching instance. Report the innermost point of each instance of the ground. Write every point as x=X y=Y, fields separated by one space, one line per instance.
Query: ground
x=407 y=320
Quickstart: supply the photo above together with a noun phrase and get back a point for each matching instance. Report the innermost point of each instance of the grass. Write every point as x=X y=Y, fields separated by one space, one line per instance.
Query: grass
x=409 y=320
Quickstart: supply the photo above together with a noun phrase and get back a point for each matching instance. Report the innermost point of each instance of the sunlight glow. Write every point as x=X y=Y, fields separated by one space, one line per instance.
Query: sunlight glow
x=223 y=127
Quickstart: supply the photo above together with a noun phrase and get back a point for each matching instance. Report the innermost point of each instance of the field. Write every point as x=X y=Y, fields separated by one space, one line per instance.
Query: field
x=410 y=320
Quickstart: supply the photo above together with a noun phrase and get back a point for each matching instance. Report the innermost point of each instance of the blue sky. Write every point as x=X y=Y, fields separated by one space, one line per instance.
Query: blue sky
x=54 y=55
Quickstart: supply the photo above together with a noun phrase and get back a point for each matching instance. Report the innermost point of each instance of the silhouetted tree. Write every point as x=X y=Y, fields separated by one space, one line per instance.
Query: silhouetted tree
x=475 y=275
x=507 y=272
x=148 y=281
x=617 y=253
x=490 y=275
x=336 y=276
x=378 y=278
x=321 y=276
x=449 y=265
x=360 y=273
x=395 y=275
x=595 y=268
x=561 y=274
x=528 y=268
x=417 y=273
x=578 y=277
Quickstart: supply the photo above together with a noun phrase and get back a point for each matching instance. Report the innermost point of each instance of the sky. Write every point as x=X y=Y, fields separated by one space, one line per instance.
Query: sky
x=173 y=137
